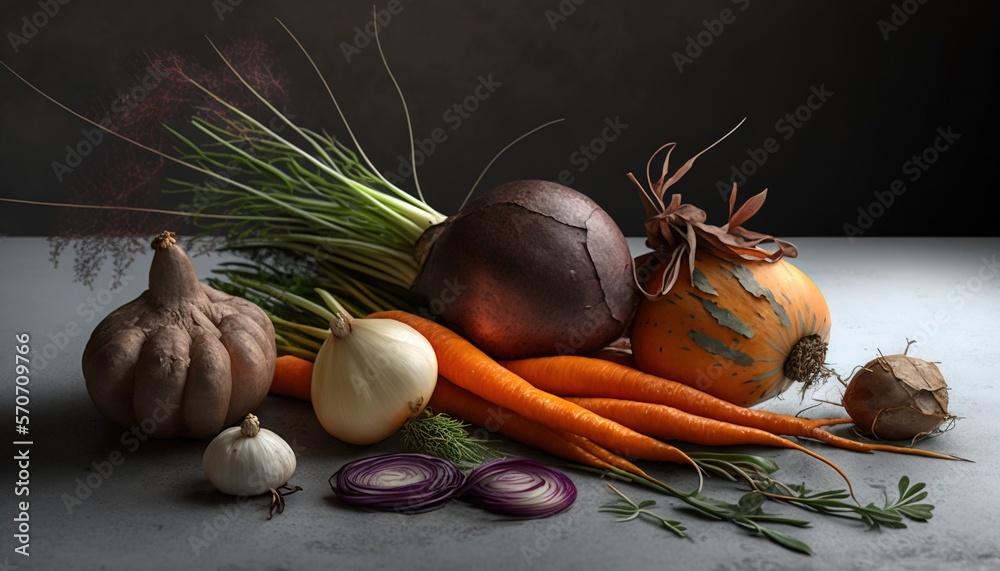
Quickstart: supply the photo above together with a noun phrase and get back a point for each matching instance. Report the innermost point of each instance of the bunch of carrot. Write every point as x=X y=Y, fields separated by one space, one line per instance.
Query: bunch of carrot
x=590 y=410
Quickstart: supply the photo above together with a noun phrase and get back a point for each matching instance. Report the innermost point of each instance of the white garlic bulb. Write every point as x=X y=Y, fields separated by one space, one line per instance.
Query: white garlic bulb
x=248 y=460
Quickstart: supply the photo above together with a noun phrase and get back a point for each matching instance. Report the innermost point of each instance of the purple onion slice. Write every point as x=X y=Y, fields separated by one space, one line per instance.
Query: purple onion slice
x=405 y=483
x=520 y=488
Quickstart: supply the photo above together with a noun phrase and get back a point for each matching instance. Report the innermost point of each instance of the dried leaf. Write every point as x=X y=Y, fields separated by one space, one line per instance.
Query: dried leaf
x=678 y=230
x=920 y=376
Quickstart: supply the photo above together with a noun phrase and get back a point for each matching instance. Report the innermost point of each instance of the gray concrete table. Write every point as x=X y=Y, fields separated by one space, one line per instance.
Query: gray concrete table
x=99 y=497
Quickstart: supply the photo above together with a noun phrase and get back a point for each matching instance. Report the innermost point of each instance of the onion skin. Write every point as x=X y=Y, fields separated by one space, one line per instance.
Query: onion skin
x=531 y=268
x=897 y=397
x=369 y=377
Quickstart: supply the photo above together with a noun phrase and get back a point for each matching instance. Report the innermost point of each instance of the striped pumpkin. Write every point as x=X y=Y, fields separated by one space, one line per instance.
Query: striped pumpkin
x=742 y=331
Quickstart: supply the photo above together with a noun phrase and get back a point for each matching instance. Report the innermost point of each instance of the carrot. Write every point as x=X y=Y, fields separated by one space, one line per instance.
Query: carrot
x=666 y=422
x=292 y=377
x=607 y=456
x=460 y=403
x=465 y=365
x=577 y=376
x=571 y=375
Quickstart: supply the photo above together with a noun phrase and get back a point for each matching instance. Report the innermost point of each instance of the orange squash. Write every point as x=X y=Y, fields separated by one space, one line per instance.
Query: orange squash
x=743 y=331
x=721 y=313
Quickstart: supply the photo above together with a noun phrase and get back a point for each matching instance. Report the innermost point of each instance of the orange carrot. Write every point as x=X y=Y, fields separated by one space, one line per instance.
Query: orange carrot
x=468 y=367
x=575 y=376
x=666 y=422
x=606 y=455
x=292 y=377
x=462 y=404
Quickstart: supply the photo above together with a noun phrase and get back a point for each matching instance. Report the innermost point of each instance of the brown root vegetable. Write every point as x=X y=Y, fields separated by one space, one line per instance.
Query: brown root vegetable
x=897 y=397
x=531 y=268
x=182 y=359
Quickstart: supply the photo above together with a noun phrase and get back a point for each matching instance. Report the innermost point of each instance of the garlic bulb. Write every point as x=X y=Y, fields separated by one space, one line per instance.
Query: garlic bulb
x=370 y=376
x=248 y=460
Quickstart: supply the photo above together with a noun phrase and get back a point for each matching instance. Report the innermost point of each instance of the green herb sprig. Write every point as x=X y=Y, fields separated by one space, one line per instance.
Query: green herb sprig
x=749 y=513
x=441 y=435
x=627 y=510
x=831 y=502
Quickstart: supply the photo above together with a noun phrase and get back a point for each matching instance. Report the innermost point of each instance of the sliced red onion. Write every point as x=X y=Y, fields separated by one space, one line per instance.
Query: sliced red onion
x=406 y=483
x=520 y=488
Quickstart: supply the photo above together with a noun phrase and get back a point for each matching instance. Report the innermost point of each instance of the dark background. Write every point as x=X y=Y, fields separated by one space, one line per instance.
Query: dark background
x=892 y=90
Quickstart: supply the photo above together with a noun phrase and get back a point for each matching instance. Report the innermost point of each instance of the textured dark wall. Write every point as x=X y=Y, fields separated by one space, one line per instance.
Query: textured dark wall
x=884 y=79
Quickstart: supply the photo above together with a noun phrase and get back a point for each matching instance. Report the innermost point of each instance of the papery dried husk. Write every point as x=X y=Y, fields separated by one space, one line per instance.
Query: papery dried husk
x=897 y=397
x=676 y=231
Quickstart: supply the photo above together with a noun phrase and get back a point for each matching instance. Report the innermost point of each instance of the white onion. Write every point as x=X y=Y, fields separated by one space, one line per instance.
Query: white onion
x=370 y=376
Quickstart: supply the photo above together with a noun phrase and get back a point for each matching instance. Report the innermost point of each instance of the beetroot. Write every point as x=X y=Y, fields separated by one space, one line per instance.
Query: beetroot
x=530 y=268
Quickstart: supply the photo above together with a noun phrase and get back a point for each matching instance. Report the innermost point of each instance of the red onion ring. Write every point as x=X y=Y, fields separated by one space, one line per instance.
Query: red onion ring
x=520 y=488
x=405 y=483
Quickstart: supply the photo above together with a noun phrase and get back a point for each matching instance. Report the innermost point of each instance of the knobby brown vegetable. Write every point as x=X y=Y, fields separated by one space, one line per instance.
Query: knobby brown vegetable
x=182 y=359
x=897 y=397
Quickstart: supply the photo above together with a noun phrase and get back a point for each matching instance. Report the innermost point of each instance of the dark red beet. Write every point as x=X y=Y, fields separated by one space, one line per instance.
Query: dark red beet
x=530 y=268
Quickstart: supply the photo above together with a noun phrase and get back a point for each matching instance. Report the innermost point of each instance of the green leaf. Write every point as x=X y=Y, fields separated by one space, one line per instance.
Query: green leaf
x=678 y=530
x=751 y=503
x=786 y=540
x=778 y=519
x=919 y=512
x=628 y=517
x=618 y=508
x=629 y=511
x=915 y=489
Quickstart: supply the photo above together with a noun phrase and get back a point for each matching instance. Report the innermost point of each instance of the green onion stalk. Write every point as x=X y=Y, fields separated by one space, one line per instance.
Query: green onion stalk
x=347 y=230
x=310 y=215
x=314 y=217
